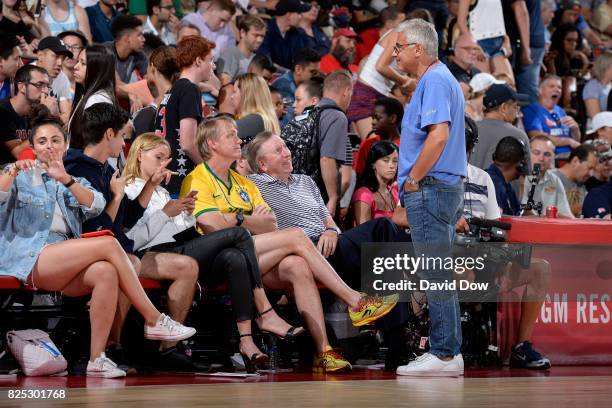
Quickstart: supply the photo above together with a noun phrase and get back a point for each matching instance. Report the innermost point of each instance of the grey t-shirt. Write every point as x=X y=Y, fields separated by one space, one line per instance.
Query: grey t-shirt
x=232 y=62
x=333 y=132
x=490 y=132
x=575 y=193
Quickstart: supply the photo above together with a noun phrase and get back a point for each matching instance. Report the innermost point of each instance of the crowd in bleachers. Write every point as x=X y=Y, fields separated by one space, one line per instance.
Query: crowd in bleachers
x=255 y=143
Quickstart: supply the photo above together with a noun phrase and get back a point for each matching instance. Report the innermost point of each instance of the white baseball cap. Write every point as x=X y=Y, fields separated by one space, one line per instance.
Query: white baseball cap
x=482 y=81
x=602 y=119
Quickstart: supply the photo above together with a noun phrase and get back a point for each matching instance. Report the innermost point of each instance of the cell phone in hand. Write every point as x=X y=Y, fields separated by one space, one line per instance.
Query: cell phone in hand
x=100 y=233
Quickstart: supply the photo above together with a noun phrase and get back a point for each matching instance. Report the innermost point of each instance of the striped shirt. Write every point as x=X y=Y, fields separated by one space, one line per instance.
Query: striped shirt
x=297 y=203
x=479 y=198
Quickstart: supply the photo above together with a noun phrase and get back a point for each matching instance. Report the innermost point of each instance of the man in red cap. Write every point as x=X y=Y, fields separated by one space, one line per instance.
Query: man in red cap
x=342 y=52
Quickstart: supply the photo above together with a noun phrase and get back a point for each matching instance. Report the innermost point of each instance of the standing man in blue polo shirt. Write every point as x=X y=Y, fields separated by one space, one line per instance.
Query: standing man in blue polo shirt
x=432 y=163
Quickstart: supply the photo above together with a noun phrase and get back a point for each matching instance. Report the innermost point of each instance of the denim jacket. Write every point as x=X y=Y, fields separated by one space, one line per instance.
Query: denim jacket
x=26 y=212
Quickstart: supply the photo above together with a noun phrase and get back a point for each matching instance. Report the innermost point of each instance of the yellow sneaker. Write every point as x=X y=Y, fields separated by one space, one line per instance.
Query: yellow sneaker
x=372 y=308
x=330 y=361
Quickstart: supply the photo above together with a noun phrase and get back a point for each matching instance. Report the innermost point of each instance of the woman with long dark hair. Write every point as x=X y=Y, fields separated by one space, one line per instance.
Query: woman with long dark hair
x=376 y=194
x=566 y=60
x=94 y=74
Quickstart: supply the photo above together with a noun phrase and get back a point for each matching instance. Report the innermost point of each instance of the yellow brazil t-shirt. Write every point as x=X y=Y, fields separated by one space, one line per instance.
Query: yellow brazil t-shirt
x=236 y=195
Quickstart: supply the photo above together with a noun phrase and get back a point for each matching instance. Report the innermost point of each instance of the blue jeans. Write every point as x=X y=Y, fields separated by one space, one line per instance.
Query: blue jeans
x=433 y=212
x=528 y=76
x=492 y=46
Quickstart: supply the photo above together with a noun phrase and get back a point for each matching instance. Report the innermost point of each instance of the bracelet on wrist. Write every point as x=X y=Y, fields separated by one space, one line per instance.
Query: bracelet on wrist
x=69 y=183
x=12 y=170
x=336 y=230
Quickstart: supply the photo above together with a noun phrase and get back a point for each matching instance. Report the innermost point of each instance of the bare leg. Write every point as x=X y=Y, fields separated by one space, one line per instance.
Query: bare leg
x=247 y=345
x=101 y=280
x=270 y=321
x=536 y=279
x=183 y=272
x=363 y=127
x=501 y=65
x=77 y=255
x=293 y=273
x=273 y=247
x=123 y=307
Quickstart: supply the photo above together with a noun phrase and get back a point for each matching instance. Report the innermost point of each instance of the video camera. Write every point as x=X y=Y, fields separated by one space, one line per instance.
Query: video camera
x=531 y=205
x=492 y=231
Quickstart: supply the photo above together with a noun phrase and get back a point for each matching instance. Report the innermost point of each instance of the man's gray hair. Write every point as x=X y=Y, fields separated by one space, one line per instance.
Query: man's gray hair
x=421 y=32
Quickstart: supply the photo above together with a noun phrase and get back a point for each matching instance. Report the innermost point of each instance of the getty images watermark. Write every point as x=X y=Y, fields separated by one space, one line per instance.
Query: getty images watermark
x=482 y=272
x=404 y=264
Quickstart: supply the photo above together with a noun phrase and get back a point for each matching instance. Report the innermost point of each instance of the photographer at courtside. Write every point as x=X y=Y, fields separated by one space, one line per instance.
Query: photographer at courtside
x=480 y=201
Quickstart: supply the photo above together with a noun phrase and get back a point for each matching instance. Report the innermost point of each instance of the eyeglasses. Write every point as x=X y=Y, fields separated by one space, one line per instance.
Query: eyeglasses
x=397 y=48
x=74 y=48
x=39 y=85
x=170 y=7
x=469 y=49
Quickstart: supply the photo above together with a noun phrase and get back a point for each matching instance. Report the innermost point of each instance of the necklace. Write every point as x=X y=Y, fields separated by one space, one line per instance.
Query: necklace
x=429 y=66
x=388 y=204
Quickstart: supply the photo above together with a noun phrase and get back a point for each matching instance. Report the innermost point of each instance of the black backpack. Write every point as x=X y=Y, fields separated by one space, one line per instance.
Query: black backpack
x=302 y=135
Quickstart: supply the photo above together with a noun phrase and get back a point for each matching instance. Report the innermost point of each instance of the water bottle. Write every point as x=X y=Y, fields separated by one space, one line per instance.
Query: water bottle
x=271 y=347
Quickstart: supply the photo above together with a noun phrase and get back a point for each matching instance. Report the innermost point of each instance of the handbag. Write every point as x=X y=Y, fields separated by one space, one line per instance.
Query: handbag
x=35 y=352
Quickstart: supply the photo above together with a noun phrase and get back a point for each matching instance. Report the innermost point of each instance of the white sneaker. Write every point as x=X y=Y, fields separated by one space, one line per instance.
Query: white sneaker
x=429 y=365
x=104 y=367
x=169 y=330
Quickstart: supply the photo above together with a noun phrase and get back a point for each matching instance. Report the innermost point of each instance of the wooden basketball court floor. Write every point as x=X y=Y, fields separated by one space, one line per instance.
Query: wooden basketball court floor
x=559 y=387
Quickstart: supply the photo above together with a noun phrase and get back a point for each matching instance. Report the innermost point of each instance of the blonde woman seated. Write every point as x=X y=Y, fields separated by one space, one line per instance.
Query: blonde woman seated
x=222 y=256
x=41 y=211
x=287 y=259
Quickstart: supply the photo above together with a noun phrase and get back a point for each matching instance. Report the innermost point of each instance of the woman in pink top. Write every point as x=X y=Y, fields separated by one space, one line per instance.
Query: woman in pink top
x=376 y=194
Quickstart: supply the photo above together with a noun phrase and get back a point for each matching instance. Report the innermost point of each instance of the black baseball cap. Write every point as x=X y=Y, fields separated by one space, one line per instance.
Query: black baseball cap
x=500 y=93
x=77 y=33
x=291 y=6
x=54 y=44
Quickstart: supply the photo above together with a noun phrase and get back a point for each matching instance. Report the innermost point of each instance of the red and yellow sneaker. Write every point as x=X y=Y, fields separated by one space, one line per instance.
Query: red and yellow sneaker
x=330 y=361
x=372 y=308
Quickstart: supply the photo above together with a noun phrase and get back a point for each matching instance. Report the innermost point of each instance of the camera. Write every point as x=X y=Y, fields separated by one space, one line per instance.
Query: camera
x=482 y=232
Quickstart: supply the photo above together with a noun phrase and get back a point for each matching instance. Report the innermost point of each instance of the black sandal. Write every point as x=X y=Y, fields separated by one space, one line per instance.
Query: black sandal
x=291 y=332
x=250 y=364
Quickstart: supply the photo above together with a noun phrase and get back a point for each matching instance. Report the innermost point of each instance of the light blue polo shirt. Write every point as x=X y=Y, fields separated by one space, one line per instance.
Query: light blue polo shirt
x=437 y=99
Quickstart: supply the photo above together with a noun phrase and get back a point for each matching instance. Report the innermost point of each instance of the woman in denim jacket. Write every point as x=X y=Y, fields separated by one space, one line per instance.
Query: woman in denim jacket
x=41 y=210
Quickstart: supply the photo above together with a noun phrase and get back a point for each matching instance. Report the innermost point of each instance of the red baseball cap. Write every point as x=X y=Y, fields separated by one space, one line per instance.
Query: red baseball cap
x=345 y=32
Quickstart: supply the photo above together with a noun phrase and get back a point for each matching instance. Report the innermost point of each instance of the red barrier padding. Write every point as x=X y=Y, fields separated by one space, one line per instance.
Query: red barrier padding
x=540 y=230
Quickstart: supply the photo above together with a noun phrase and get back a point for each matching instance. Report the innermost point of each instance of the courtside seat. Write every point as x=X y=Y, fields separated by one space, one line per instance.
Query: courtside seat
x=149 y=284
x=10 y=283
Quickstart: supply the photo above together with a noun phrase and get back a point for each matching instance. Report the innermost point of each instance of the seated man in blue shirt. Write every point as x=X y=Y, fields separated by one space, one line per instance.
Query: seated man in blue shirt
x=546 y=118
x=598 y=202
x=283 y=39
x=101 y=16
x=509 y=163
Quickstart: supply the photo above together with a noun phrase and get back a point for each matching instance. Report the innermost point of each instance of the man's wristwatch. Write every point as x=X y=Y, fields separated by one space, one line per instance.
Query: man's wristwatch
x=239 y=219
x=412 y=181
x=336 y=230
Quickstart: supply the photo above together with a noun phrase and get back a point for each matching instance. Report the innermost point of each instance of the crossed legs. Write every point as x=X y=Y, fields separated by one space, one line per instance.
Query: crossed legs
x=289 y=260
x=98 y=266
